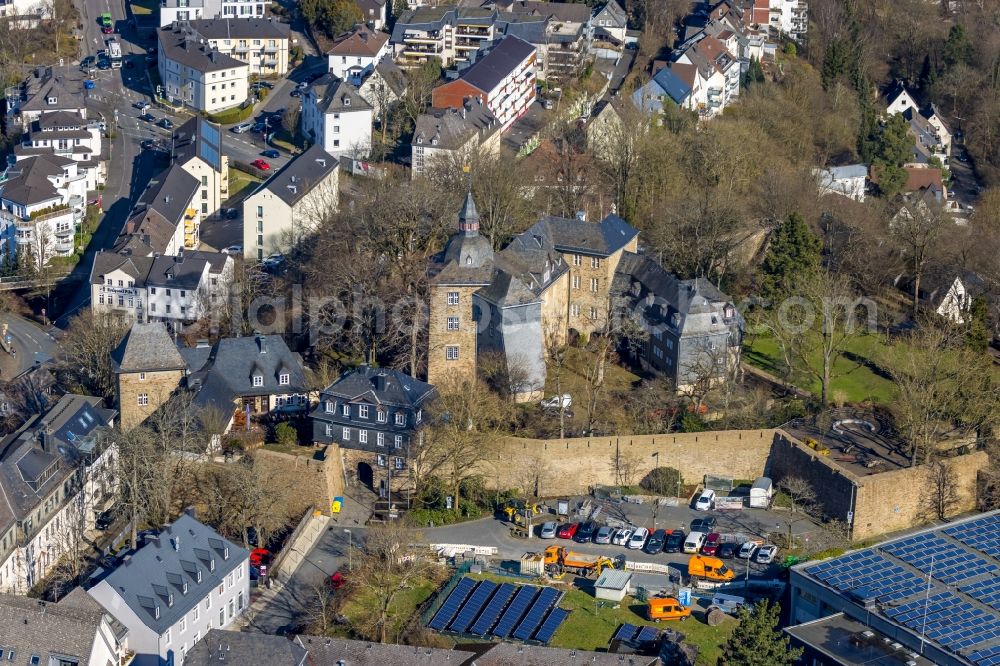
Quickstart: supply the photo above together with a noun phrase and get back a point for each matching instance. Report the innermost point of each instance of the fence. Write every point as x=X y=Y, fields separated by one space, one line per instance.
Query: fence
x=647 y=567
x=302 y=539
x=250 y=169
x=453 y=549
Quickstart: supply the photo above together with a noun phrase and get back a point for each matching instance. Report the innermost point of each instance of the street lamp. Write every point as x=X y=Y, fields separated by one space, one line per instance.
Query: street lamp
x=350 y=549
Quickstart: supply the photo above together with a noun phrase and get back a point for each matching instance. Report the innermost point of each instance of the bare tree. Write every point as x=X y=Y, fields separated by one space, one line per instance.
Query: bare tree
x=556 y=350
x=919 y=227
x=625 y=465
x=250 y=494
x=940 y=491
x=87 y=346
x=799 y=491
x=139 y=490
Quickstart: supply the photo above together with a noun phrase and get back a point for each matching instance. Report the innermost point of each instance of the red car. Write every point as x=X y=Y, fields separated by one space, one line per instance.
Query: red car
x=259 y=556
x=261 y=164
x=712 y=543
x=567 y=531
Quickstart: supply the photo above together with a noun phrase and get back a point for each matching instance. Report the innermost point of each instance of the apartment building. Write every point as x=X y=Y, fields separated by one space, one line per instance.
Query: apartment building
x=261 y=43
x=718 y=69
x=789 y=18
x=197 y=149
x=198 y=75
x=355 y=54
x=56 y=475
x=166 y=218
x=337 y=118
x=70 y=135
x=453 y=136
x=504 y=79
x=449 y=34
x=190 y=10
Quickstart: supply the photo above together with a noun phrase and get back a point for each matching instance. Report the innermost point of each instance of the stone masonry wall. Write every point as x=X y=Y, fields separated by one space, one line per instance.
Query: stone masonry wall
x=156 y=385
x=313 y=482
x=440 y=370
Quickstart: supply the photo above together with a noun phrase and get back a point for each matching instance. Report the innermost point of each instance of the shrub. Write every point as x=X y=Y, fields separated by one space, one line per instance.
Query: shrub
x=662 y=481
x=286 y=435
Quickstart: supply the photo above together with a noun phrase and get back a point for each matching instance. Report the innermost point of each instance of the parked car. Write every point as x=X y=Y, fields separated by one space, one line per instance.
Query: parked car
x=674 y=542
x=712 y=543
x=264 y=84
x=621 y=537
x=603 y=534
x=106 y=519
x=654 y=544
x=638 y=538
x=259 y=126
x=586 y=532
x=555 y=402
x=747 y=550
x=766 y=554
x=233 y=249
x=705 y=501
x=241 y=128
x=568 y=531
x=259 y=556
x=142 y=105
x=296 y=93
x=166 y=123
x=336 y=581
x=271 y=153
x=726 y=551
x=148 y=117
x=548 y=530
x=273 y=261
x=261 y=164
x=706 y=525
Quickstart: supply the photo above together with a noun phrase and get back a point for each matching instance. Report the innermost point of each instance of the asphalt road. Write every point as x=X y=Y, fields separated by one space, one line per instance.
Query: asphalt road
x=31 y=344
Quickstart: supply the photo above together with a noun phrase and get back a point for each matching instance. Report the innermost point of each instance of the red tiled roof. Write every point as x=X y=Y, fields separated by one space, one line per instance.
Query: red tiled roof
x=361 y=41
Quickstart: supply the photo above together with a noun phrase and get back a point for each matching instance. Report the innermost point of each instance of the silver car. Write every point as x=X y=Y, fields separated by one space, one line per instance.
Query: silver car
x=603 y=535
x=548 y=530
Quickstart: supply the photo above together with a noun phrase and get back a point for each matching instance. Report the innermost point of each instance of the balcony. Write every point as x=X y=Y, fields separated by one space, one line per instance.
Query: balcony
x=64 y=233
x=422 y=50
x=241 y=49
x=271 y=49
x=420 y=39
x=65 y=246
x=472 y=32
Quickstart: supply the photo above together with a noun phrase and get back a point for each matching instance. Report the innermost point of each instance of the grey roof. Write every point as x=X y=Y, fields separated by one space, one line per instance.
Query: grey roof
x=147 y=347
x=183 y=45
x=525 y=268
x=515 y=654
x=848 y=171
x=381 y=386
x=336 y=95
x=449 y=129
x=50 y=630
x=153 y=580
x=325 y=651
x=29 y=182
x=393 y=75
x=614 y=11
x=60 y=119
x=169 y=193
x=298 y=178
x=487 y=72
x=236 y=647
x=68 y=94
x=564 y=11
x=150 y=228
x=199 y=137
x=614 y=579
x=227 y=373
x=181 y=271
x=240 y=28
x=105 y=262
x=575 y=235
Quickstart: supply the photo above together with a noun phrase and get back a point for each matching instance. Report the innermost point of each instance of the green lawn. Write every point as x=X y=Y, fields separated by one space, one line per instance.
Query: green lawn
x=239 y=181
x=404 y=607
x=144 y=7
x=856 y=373
x=591 y=628
x=579 y=362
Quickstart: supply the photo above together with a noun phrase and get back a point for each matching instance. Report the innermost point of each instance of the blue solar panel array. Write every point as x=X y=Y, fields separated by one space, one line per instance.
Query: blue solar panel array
x=648 y=635
x=947 y=619
x=868 y=576
x=940 y=558
x=988 y=657
x=492 y=612
x=982 y=534
x=546 y=600
x=987 y=591
x=473 y=606
x=552 y=622
x=515 y=611
x=626 y=632
x=451 y=605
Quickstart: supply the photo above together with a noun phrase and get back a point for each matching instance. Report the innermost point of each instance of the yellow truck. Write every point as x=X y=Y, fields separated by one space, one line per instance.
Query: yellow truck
x=559 y=560
x=709 y=569
x=666 y=608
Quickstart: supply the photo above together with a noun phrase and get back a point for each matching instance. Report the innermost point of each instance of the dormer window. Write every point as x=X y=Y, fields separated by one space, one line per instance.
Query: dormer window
x=225 y=553
x=283 y=379
x=347 y=100
x=382 y=416
x=258 y=380
x=363 y=411
x=52 y=100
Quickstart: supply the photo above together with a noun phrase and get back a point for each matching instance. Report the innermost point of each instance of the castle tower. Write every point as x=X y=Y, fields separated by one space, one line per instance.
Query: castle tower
x=148 y=368
x=466 y=267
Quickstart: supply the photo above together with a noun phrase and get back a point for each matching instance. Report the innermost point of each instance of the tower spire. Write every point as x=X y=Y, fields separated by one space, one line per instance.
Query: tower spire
x=468 y=217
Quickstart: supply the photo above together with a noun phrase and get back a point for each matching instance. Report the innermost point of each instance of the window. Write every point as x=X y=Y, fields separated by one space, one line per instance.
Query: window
x=380 y=460
x=346 y=435
x=593 y=284
x=166 y=638
x=401 y=419
x=452 y=298
x=260 y=211
x=577 y=260
x=142 y=376
x=363 y=436
x=329 y=430
x=381 y=415
x=595 y=262
x=260 y=240
x=576 y=281
x=670 y=343
x=345 y=410
x=451 y=353
x=398 y=442
x=239 y=603
x=283 y=379
x=380 y=439
x=222 y=617
x=397 y=462
x=593 y=313
x=143 y=399
x=452 y=323
x=196 y=614
x=258 y=380
x=420 y=415
x=575 y=309
x=183 y=625
x=168 y=308
x=363 y=411
x=331 y=406
x=232 y=610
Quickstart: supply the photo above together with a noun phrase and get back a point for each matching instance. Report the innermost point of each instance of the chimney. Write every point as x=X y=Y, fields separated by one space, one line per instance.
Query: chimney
x=191 y=510
x=261 y=344
x=581 y=215
x=176 y=543
x=378 y=381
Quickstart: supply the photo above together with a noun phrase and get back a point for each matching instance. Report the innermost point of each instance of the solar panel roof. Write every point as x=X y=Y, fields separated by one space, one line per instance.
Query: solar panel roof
x=518 y=607
x=477 y=601
x=451 y=605
x=551 y=624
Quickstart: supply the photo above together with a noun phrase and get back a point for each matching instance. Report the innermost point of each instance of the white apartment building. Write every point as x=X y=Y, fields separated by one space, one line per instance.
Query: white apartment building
x=261 y=43
x=354 y=55
x=56 y=474
x=453 y=136
x=719 y=71
x=44 y=197
x=790 y=17
x=181 y=583
x=190 y=10
x=197 y=149
x=293 y=201
x=67 y=134
x=198 y=75
x=337 y=118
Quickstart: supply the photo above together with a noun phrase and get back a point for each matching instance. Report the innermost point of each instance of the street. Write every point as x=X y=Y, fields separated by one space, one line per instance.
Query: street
x=31 y=344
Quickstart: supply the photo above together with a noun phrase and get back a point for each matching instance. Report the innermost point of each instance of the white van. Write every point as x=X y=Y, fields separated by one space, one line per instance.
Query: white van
x=706 y=501
x=694 y=542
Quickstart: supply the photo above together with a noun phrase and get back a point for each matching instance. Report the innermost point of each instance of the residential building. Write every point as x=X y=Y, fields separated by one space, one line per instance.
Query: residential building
x=354 y=54
x=789 y=18
x=932 y=594
x=337 y=118
x=384 y=86
x=47 y=90
x=42 y=200
x=172 y=11
x=849 y=181
x=453 y=136
x=372 y=414
x=76 y=631
x=166 y=218
x=261 y=43
x=23 y=14
x=610 y=26
x=196 y=74
x=449 y=34
x=921 y=180
x=234 y=647
x=173 y=289
x=373 y=12
x=677 y=83
x=290 y=203
x=247 y=377
x=183 y=582
x=899 y=99
x=504 y=79
x=67 y=134
x=148 y=369
x=561 y=33
x=198 y=150
x=57 y=472
x=719 y=71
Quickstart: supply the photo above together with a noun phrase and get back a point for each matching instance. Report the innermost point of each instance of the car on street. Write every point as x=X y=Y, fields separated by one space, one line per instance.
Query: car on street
x=142 y=105
x=548 y=530
x=555 y=402
x=271 y=153
x=706 y=525
x=279 y=112
x=148 y=117
x=604 y=534
x=747 y=550
x=638 y=538
x=568 y=531
x=705 y=501
x=261 y=164
x=273 y=261
x=654 y=544
x=712 y=543
x=621 y=537
x=726 y=551
x=674 y=542
x=264 y=84
x=166 y=123
x=151 y=144
x=106 y=519
x=766 y=554
x=586 y=532
x=241 y=128
x=233 y=249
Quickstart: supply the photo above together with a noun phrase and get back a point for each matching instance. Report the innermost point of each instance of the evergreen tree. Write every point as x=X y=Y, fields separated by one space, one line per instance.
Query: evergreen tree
x=928 y=73
x=754 y=73
x=977 y=330
x=835 y=62
x=792 y=254
x=756 y=641
x=893 y=148
x=958 y=48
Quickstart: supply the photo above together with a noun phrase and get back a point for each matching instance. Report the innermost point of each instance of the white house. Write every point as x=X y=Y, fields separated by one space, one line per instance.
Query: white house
x=790 y=17
x=189 y=10
x=196 y=74
x=718 y=69
x=453 y=135
x=849 y=181
x=44 y=198
x=290 y=203
x=354 y=54
x=198 y=150
x=337 y=118
x=45 y=91
x=67 y=134
x=56 y=474
x=181 y=583
x=373 y=12
x=261 y=43
x=900 y=100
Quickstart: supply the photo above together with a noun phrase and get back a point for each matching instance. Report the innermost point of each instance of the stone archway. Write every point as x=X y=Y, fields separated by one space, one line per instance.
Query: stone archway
x=366 y=475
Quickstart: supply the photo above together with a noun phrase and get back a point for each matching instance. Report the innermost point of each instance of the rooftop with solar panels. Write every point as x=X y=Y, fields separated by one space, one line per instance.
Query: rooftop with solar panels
x=936 y=592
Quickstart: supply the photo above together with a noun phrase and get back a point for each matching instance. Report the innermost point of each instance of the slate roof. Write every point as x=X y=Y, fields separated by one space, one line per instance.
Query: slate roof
x=227 y=372
x=147 y=347
x=237 y=647
x=190 y=141
x=60 y=119
x=666 y=82
x=362 y=41
x=50 y=630
x=169 y=193
x=68 y=94
x=136 y=267
x=525 y=268
x=150 y=229
x=451 y=129
x=579 y=236
x=381 y=386
x=511 y=654
x=182 y=45
x=157 y=572
x=335 y=95
x=29 y=182
x=848 y=171
x=240 y=28
x=299 y=176
x=393 y=75
x=564 y=11
x=325 y=651
x=487 y=72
